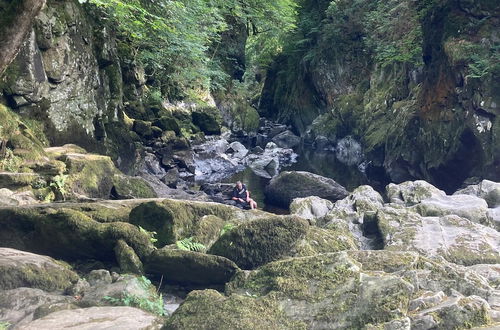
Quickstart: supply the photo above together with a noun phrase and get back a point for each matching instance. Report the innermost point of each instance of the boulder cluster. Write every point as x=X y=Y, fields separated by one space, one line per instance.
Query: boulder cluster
x=411 y=258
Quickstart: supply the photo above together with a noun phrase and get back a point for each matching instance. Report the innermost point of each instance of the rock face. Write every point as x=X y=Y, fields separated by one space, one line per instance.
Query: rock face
x=98 y=318
x=289 y=185
x=424 y=111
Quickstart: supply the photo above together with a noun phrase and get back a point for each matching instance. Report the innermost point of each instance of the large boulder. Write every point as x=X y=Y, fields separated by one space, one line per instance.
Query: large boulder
x=452 y=237
x=286 y=139
x=68 y=234
x=19 y=306
x=369 y=289
x=23 y=269
x=190 y=268
x=127 y=187
x=487 y=190
x=98 y=318
x=310 y=208
x=289 y=185
x=175 y=220
x=469 y=207
x=208 y=120
x=257 y=242
x=412 y=192
x=260 y=241
x=209 y=309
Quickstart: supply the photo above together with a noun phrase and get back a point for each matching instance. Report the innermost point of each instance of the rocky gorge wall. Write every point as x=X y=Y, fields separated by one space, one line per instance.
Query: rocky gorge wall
x=415 y=81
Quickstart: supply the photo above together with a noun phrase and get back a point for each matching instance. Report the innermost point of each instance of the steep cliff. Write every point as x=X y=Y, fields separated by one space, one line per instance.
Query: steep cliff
x=416 y=81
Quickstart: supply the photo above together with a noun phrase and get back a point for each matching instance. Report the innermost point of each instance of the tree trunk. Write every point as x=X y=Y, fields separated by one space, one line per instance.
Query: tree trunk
x=15 y=24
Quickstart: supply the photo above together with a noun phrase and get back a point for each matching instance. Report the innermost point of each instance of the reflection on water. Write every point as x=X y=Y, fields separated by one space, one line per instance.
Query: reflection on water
x=324 y=164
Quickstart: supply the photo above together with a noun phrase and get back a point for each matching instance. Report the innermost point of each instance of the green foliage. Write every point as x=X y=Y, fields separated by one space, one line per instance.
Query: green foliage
x=150 y=234
x=227 y=228
x=174 y=39
x=58 y=185
x=154 y=306
x=4 y=325
x=187 y=244
x=10 y=162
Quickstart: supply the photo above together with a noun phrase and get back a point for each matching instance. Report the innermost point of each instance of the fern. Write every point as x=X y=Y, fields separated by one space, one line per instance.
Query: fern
x=227 y=227
x=187 y=244
x=150 y=234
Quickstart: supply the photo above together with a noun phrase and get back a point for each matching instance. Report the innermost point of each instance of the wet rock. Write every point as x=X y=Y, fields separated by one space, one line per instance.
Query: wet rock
x=98 y=318
x=286 y=139
x=190 y=268
x=171 y=178
x=260 y=241
x=237 y=150
x=349 y=151
x=23 y=269
x=289 y=185
x=18 y=306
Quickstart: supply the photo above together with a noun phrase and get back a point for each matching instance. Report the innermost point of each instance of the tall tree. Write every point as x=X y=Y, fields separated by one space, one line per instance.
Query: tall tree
x=16 y=22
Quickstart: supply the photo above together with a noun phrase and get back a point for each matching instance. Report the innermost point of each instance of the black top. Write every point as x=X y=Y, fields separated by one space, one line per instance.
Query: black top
x=240 y=193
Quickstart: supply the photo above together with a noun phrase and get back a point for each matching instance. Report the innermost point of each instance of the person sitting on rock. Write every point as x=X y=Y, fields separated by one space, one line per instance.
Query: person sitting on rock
x=242 y=196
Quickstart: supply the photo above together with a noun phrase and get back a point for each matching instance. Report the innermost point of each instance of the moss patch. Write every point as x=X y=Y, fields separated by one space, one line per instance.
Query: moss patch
x=260 y=241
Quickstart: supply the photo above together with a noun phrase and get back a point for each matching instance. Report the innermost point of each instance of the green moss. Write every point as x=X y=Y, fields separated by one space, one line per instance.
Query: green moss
x=127 y=259
x=209 y=309
x=175 y=220
x=69 y=234
x=208 y=119
x=319 y=240
x=260 y=241
x=44 y=275
x=308 y=278
x=125 y=187
x=90 y=175
x=190 y=268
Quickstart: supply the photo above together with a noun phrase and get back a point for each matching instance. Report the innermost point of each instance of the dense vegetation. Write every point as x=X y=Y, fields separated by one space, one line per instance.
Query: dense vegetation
x=179 y=41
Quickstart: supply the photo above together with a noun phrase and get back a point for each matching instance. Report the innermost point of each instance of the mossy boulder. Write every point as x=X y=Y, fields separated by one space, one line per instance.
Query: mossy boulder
x=190 y=268
x=290 y=185
x=208 y=119
x=127 y=187
x=209 y=309
x=168 y=124
x=127 y=259
x=328 y=291
x=68 y=234
x=89 y=175
x=23 y=269
x=17 y=180
x=326 y=240
x=143 y=128
x=260 y=241
x=175 y=220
